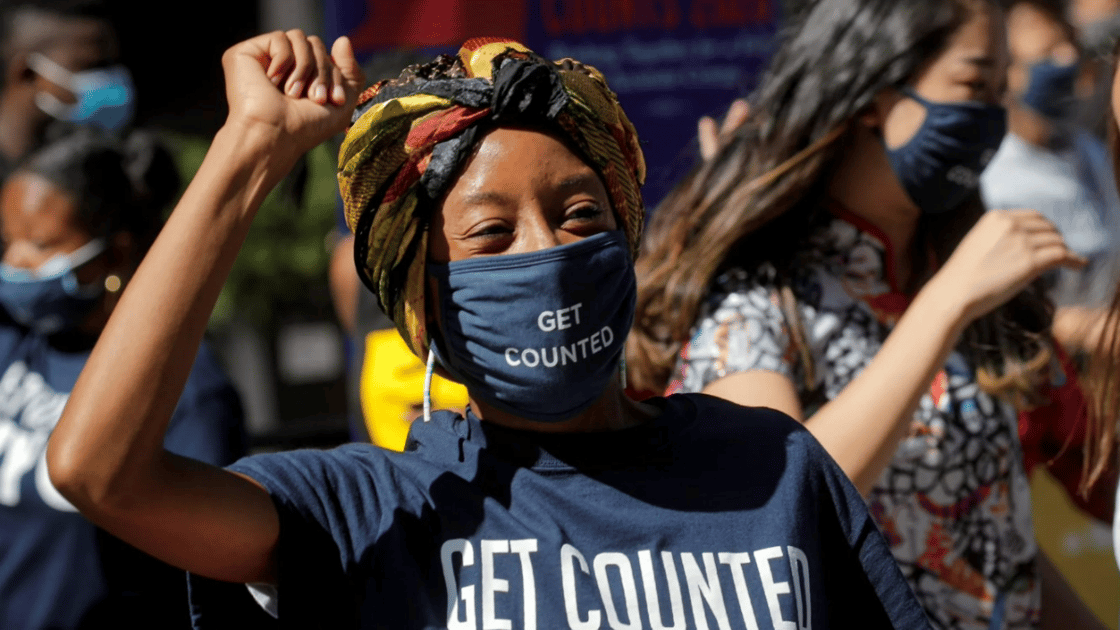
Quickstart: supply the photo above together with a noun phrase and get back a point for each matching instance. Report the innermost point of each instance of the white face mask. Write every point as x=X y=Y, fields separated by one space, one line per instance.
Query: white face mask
x=105 y=96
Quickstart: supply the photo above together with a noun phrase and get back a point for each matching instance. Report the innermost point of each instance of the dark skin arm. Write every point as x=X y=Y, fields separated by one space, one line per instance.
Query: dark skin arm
x=106 y=455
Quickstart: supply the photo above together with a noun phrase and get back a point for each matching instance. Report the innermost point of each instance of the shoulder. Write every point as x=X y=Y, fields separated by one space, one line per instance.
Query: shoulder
x=741 y=328
x=756 y=446
x=741 y=294
x=741 y=307
x=324 y=486
x=314 y=470
x=752 y=427
x=767 y=439
x=366 y=471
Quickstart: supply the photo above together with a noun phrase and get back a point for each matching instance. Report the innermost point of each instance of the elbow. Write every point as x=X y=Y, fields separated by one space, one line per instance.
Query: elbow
x=78 y=474
x=65 y=469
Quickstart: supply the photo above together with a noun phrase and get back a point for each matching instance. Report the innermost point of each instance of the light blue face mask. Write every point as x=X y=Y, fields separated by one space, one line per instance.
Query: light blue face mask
x=50 y=299
x=106 y=96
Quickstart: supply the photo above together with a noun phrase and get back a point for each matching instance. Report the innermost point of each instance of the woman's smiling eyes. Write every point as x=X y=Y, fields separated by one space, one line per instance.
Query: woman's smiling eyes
x=584 y=214
x=495 y=235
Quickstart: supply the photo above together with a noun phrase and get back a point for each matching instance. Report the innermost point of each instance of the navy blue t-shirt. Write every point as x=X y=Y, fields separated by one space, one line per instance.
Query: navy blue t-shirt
x=710 y=516
x=56 y=569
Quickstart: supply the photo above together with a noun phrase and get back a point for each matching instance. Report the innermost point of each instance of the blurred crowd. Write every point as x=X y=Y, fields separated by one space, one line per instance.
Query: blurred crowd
x=907 y=239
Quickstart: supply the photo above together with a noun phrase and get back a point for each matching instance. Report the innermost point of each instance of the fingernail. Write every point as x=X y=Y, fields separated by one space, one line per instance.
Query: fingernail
x=276 y=79
x=319 y=93
x=296 y=88
x=339 y=94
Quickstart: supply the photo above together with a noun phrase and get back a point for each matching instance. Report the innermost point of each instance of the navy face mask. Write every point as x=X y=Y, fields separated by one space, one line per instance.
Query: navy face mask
x=538 y=335
x=49 y=299
x=942 y=163
x=1050 y=89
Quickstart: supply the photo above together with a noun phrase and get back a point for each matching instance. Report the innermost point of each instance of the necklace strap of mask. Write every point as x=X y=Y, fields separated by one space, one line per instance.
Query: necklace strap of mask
x=428 y=386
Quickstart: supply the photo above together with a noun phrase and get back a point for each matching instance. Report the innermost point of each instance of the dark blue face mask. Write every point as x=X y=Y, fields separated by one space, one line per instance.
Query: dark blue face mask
x=1050 y=89
x=538 y=335
x=50 y=299
x=941 y=165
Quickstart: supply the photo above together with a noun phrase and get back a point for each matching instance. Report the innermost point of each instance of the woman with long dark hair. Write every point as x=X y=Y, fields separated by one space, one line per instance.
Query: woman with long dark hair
x=834 y=259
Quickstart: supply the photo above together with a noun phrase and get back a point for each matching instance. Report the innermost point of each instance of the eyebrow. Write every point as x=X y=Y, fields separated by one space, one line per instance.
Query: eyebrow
x=579 y=180
x=485 y=198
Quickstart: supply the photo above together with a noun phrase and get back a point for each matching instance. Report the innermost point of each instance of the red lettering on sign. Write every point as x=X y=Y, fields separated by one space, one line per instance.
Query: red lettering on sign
x=579 y=17
x=729 y=13
x=553 y=23
x=763 y=11
x=671 y=14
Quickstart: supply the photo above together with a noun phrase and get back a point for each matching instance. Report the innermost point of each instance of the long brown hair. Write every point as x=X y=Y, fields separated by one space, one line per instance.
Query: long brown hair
x=761 y=197
x=1101 y=378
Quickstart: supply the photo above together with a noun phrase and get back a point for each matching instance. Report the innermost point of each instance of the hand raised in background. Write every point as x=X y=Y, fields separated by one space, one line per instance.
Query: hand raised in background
x=712 y=137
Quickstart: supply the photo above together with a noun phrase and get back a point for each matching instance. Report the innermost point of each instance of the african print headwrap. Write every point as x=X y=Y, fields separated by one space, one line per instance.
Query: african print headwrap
x=410 y=137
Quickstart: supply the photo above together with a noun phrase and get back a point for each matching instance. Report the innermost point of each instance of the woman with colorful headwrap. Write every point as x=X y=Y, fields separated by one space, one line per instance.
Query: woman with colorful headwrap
x=494 y=199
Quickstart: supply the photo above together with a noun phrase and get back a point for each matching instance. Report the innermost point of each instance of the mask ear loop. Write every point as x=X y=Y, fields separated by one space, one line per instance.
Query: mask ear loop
x=428 y=385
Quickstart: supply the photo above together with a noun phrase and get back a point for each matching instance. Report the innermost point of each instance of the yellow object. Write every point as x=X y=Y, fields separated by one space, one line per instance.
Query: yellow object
x=392 y=389
x=1080 y=547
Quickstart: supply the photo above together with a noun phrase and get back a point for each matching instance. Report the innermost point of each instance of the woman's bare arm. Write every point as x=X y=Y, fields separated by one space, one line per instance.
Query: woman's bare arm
x=106 y=454
x=862 y=427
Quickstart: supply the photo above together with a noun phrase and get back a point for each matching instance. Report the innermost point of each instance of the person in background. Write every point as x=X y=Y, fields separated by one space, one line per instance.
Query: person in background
x=75 y=219
x=59 y=63
x=1048 y=163
x=1103 y=380
x=1098 y=26
x=834 y=261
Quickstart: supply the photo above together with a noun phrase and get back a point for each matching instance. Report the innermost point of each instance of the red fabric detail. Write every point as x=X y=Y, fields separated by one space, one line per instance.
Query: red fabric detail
x=422 y=138
x=640 y=394
x=408 y=175
x=863 y=225
x=957 y=510
x=440 y=127
x=424 y=23
x=938 y=389
x=889 y=303
x=475 y=43
x=1053 y=435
